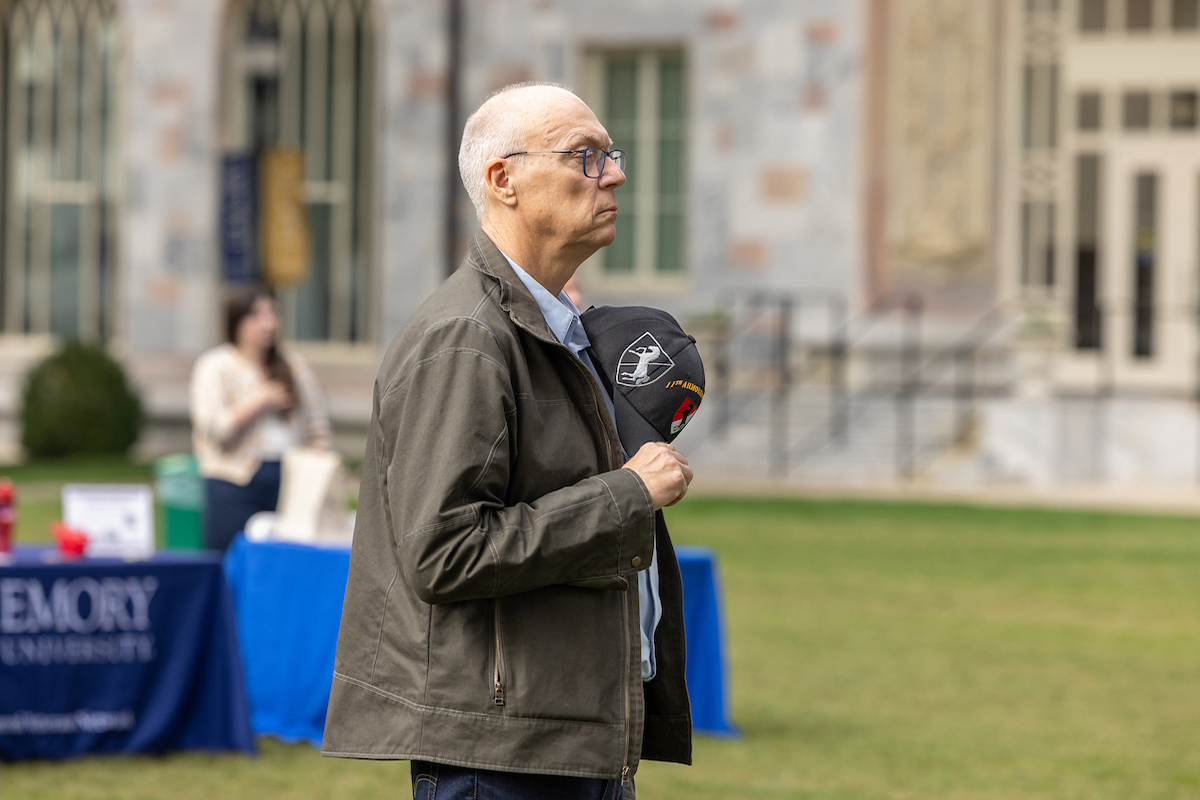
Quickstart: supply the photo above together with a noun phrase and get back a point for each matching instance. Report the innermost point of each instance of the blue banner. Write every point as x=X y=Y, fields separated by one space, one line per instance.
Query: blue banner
x=106 y=656
x=239 y=217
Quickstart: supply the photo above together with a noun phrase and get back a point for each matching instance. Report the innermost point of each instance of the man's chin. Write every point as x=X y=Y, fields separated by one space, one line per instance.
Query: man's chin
x=606 y=240
x=607 y=233
x=598 y=237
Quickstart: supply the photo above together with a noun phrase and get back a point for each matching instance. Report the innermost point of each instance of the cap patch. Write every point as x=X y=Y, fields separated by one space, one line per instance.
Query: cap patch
x=686 y=385
x=643 y=362
x=683 y=415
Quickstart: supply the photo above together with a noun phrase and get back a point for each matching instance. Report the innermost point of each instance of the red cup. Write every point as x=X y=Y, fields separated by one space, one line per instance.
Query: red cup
x=72 y=542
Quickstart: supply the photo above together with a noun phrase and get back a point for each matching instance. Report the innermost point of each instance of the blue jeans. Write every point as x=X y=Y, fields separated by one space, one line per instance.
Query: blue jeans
x=444 y=782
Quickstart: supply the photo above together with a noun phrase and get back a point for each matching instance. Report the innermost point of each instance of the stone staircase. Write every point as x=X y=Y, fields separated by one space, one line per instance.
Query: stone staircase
x=884 y=439
x=879 y=401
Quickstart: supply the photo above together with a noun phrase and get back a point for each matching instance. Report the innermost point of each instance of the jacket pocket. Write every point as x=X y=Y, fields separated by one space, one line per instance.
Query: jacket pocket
x=563 y=654
x=607 y=583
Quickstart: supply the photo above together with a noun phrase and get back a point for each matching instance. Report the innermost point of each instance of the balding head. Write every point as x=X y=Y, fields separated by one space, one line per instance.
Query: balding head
x=504 y=124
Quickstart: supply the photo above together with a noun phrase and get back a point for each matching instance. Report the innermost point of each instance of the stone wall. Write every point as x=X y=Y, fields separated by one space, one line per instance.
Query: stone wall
x=167 y=262
x=773 y=166
x=774 y=197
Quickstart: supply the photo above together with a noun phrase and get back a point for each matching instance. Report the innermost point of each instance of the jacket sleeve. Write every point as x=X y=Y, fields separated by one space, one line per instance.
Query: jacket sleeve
x=446 y=427
x=212 y=415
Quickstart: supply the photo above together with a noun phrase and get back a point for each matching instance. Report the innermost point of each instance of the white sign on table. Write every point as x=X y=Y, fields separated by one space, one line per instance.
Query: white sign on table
x=118 y=518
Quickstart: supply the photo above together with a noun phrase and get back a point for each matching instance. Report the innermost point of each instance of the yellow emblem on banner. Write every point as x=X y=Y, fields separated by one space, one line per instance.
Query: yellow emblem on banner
x=286 y=244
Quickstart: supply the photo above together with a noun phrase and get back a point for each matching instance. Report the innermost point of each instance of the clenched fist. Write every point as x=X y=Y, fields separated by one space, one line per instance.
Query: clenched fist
x=664 y=470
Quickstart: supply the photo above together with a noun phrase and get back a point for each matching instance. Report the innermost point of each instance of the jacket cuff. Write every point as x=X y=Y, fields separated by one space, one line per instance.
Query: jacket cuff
x=635 y=511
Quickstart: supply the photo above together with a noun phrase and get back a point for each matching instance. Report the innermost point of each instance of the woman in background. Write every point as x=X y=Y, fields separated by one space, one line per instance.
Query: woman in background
x=250 y=403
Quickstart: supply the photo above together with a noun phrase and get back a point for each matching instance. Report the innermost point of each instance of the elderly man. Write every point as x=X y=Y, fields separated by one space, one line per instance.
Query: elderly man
x=493 y=630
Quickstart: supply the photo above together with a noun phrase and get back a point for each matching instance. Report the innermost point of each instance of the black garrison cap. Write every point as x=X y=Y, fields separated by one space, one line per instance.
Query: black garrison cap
x=651 y=369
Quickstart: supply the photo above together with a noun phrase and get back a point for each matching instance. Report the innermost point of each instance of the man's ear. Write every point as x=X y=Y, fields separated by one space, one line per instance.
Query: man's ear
x=500 y=182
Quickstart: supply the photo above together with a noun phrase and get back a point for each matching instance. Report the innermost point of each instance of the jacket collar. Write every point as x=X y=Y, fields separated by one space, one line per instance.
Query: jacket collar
x=515 y=297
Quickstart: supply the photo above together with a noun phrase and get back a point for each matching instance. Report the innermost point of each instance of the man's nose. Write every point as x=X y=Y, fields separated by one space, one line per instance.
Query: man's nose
x=612 y=175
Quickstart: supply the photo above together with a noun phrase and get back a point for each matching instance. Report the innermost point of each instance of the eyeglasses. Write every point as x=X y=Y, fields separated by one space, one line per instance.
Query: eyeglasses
x=593 y=158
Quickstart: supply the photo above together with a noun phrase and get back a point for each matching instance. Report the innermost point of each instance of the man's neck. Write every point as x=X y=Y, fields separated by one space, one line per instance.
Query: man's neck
x=550 y=267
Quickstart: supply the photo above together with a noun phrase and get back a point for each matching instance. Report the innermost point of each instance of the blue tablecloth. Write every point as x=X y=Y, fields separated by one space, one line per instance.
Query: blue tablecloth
x=704 y=625
x=288 y=600
x=110 y=656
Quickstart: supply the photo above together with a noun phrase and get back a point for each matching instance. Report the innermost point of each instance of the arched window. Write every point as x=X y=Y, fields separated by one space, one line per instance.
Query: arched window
x=299 y=82
x=60 y=171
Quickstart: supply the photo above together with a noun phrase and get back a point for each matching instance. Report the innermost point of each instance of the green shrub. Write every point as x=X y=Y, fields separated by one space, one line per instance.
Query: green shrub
x=78 y=401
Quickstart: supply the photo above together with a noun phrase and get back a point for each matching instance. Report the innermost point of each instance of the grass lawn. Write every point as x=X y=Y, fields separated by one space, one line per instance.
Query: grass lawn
x=878 y=650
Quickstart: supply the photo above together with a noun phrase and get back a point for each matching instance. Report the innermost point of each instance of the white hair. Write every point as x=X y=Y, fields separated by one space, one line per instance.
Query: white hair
x=497 y=128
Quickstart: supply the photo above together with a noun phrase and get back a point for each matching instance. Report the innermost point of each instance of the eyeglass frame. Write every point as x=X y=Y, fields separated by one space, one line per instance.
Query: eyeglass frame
x=607 y=155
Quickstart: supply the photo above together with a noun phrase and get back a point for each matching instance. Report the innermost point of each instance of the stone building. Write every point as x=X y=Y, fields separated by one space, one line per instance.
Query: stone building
x=158 y=150
x=1035 y=162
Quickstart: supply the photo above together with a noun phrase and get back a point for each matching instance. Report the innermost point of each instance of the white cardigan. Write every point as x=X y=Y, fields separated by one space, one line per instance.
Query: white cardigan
x=221 y=380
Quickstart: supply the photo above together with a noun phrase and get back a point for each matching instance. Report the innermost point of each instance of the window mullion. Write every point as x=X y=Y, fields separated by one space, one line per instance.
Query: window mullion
x=18 y=173
x=291 y=83
x=41 y=151
x=341 y=167
x=316 y=100
x=363 y=305
x=109 y=177
x=90 y=240
x=647 y=168
x=312 y=296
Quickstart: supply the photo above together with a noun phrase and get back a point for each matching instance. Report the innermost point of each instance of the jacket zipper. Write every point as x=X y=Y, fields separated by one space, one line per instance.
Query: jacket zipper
x=625 y=615
x=499 y=676
x=628 y=719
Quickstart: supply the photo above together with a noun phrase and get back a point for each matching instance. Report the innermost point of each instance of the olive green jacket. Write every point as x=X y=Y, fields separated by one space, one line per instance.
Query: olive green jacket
x=491 y=613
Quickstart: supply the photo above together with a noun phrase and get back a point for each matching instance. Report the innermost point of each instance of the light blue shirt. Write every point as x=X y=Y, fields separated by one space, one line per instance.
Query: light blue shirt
x=563 y=319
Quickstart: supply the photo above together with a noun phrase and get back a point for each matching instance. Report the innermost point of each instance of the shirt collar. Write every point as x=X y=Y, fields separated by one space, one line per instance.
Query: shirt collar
x=561 y=314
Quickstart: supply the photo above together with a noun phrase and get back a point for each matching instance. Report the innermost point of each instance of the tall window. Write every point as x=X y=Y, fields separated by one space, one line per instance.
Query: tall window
x=1089 y=111
x=1144 y=256
x=60 y=71
x=643 y=104
x=1092 y=15
x=1139 y=15
x=1037 y=212
x=1185 y=14
x=1136 y=111
x=1087 y=251
x=1041 y=106
x=299 y=83
x=1184 y=106
x=1037 y=243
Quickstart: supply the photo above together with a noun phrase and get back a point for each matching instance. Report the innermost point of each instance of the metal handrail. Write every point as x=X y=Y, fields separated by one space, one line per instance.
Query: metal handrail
x=847 y=336
x=951 y=369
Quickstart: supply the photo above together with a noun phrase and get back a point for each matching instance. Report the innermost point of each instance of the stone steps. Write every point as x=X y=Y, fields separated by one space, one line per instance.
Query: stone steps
x=876 y=446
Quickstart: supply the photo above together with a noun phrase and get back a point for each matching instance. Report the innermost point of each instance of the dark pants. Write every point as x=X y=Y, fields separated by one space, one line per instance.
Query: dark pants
x=227 y=506
x=443 y=782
